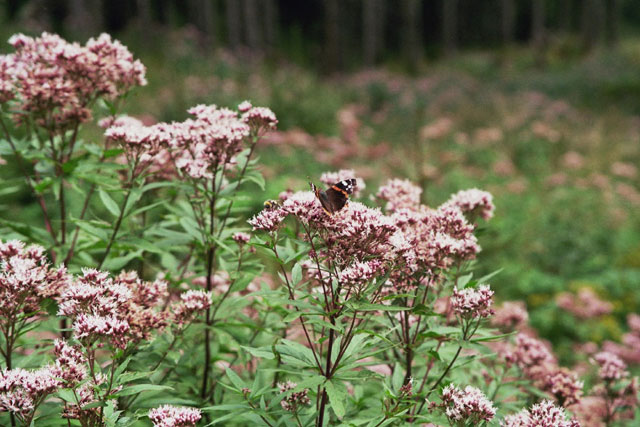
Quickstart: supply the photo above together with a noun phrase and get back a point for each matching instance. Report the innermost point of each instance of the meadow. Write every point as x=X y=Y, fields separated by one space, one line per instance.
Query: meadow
x=288 y=319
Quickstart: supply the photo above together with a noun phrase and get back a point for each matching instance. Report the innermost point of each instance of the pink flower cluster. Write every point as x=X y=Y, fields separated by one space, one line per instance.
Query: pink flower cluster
x=200 y=146
x=544 y=413
x=26 y=278
x=538 y=364
x=71 y=364
x=428 y=240
x=174 y=416
x=585 y=305
x=400 y=194
x=121 y=310
x=629 y=349
x=473 y=202
x=21 y=391
x=56 y=82
x=191 y=302
x=473 y=302
x=409 y=243
x=510 y=315
x=469 y=405
x=612 y=368
x=293 y=400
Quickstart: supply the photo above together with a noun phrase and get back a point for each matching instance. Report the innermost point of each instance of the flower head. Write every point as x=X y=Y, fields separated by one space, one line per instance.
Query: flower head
x=174 y=416
x=473 y=202
x=469 y=405
x=473 y=302
x=400 y=194
x=611 y=366
x=293 y=400
x=544 y=413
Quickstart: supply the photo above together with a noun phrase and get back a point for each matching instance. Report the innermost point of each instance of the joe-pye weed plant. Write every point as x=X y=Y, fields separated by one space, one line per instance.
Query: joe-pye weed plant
x=145 y=294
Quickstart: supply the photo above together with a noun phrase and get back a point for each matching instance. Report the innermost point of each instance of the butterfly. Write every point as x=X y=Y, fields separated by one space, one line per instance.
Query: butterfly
x=335 y=197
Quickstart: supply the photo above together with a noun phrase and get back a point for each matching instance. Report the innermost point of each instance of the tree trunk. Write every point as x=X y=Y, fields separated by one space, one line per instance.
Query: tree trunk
x=332 y=35
x=613 y=20
x=450 y=26
x=253 y=34
x=270 y=23
x=372 y=30
x=411 y=36
x=537 y=24
x=84 y=17
x=202 y=13
x=508 y=20
x=592 y=23
x=234 y=23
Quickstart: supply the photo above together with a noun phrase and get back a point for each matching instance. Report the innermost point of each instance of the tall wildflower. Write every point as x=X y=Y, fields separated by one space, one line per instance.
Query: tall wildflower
x=544 y=413
x=174 y=416
x=469 y=405
x=22 y=391
x=56 y=81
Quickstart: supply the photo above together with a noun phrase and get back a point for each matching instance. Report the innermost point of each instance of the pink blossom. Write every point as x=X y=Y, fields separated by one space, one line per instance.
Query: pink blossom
x=174 y=416
x=542 y=414
x=400 y=194
x=269 y=219
x=293 y=400
x=244 y=106
x=121 y=310
x=7 y=86
x=305 y=206
x=27 y=278
x=56 y=81
x=473 y=302
x=563 y=385
x=260 y=118
x=191 y=302
x=585 y=305
x=71 y=364
x=92 y=327
x=21 y=391
x=474 y=202
x=469 y=405
x=241 y=238
x=611 y=366
x=362 y=272
x=529 y=353
x=510 y=315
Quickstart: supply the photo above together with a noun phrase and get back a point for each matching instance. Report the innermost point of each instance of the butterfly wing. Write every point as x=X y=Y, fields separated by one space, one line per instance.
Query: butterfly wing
x=338 y=194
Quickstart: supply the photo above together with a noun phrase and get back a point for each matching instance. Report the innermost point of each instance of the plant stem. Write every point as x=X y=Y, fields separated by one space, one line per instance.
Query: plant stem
x=116 y=227
x=210 y=260
x=41 y=202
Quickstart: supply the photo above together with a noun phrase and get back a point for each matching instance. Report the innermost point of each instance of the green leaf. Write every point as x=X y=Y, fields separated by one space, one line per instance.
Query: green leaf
x=396 y=378
x=263 y=353
x=108 y=203
x=139 y=388
x=463 y=280
x=235 y=379
x=490 y=275
x=337 y=397
x=296 y=274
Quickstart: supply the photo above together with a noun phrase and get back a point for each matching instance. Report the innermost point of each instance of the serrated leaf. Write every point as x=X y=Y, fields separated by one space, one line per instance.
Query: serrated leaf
x=337 y=397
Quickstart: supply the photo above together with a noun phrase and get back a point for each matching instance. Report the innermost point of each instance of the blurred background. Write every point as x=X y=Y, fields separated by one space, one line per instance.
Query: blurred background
x=535 y=101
